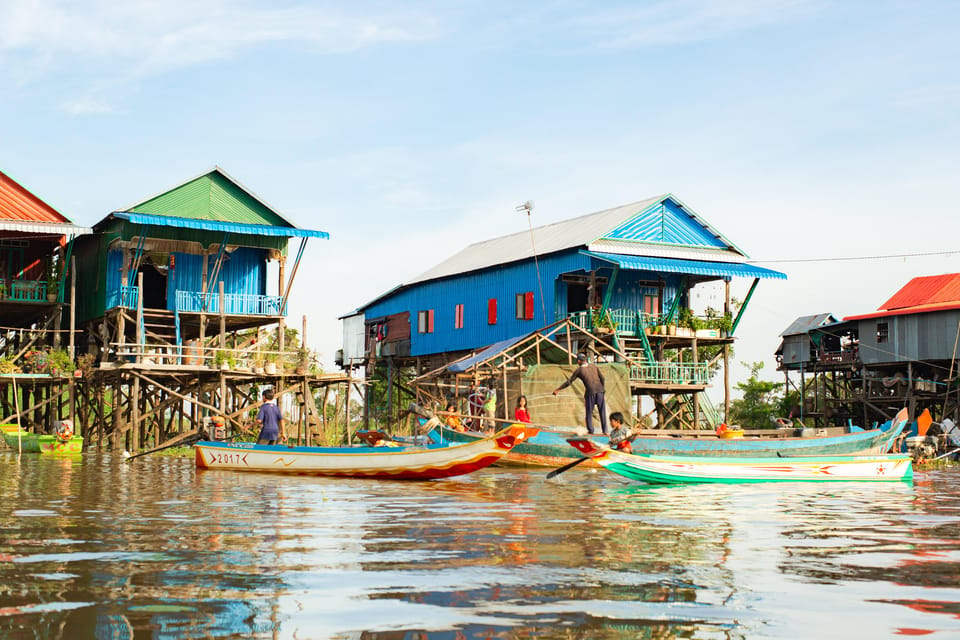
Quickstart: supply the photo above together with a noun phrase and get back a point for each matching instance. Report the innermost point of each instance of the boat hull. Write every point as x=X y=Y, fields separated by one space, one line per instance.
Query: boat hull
x=394 y=463
x=42 y=443
x=549 y=448
x=654 y=469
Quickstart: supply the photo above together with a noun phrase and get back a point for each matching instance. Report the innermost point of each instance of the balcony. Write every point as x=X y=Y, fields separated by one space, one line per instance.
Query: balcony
x=233 y=303
x=197 y=302
x=25 y=291
x=670 y=373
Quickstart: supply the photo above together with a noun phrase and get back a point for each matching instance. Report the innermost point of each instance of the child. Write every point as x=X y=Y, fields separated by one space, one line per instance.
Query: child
x=520 y=414
x=620 y=435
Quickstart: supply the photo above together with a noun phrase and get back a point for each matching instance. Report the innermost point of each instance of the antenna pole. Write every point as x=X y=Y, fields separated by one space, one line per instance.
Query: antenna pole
x=528 y=208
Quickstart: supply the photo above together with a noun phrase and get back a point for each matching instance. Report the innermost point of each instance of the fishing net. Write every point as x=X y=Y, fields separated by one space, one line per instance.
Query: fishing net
x=566 y=409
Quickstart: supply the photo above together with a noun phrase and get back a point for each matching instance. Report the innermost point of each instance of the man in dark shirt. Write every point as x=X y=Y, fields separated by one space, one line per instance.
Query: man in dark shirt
x=592 y=379
x=270 y=420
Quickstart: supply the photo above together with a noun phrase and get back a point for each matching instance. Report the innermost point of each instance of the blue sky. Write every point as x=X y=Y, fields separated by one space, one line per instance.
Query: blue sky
x=800 y=129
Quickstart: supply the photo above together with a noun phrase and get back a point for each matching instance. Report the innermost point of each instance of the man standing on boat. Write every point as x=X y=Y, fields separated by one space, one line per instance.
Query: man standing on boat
x=270 y=420
x=593 y=393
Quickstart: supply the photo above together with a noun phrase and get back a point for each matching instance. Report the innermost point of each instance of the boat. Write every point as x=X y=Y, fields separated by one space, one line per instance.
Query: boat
x=659 y=469
x=397 y=463
x=548 y=446
x=28 y=442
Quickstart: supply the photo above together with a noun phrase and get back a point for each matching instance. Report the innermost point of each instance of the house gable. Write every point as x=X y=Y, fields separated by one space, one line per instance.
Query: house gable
x=213 y=196
x=668 y=222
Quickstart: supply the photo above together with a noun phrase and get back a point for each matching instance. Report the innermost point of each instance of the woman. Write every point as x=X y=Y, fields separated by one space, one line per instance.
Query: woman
x=520 y=414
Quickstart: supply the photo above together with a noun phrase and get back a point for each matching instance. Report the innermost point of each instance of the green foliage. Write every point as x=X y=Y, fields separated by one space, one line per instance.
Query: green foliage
x=602 y=320
x=9 y=365
x=761 y=401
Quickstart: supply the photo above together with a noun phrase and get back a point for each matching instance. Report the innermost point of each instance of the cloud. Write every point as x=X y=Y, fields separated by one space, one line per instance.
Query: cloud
x=686 y=21
x=85 y=107
x=142 y=37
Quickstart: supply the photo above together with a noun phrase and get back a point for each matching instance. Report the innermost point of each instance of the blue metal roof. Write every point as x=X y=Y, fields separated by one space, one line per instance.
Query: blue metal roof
x=218 y=225
x=463 y=365
x=693 y=267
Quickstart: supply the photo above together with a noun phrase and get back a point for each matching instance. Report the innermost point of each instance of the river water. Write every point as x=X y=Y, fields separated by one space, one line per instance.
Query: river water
x=96 y=548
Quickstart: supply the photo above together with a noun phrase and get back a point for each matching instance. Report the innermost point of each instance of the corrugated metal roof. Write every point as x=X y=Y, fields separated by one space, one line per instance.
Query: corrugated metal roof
x=213 y=195
x=804 y=324
x=567 y=234
x=669 y=221
x=47 y=228
x=216 y=225
x=463 y=365
x=664 y=251
x=925 y=290
x=16 y=203
x=924 y=308
x=693 y=267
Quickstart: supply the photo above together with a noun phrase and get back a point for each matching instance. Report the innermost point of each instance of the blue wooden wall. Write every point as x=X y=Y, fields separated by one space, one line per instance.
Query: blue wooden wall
x=473 y=290
x=504 y=283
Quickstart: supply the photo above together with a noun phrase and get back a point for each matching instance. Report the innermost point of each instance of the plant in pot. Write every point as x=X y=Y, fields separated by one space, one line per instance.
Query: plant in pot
x=602 y=322
x=52 y=274
x=223 y=359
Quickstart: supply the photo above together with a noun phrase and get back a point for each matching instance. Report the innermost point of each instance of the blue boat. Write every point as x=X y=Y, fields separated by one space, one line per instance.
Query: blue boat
x=549 y=448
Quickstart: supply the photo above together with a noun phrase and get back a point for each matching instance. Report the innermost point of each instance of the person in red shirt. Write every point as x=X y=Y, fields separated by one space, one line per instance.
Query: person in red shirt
x=520 y=414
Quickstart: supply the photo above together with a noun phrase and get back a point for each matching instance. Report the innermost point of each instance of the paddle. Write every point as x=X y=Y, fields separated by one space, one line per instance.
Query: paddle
x=184 y=440
x=566 y=467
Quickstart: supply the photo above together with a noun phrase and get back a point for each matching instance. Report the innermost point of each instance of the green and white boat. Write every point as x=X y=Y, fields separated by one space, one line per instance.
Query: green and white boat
x=657 y=469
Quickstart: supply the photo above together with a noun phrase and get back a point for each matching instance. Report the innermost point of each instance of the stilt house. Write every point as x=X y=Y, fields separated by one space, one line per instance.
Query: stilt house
x=159 y=271
x=626 y=272
x=32 y=274
x=868 y=366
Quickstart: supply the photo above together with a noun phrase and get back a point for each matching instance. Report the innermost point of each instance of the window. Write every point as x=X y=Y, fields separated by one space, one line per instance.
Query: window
x=525 y=306
x=883 y=332
x=458 y=317
x=425 y=321
x=492 y=311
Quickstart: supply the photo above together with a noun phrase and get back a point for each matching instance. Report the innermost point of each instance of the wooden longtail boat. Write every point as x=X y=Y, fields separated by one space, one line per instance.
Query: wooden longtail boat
x=549 y=448
x=656 y=469
x=28 y=442
x=396 y=463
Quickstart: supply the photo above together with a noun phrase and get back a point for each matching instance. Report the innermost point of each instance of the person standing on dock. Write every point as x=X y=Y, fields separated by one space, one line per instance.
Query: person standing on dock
x=593 y=392
x=271 y=422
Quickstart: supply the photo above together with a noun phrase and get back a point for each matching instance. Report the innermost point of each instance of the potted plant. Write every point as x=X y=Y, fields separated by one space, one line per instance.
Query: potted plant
x=602 y=322
x=223 y=359
x=53 y=280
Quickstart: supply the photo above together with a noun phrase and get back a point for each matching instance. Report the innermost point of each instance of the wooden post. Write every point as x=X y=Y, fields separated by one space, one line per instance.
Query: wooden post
x=73 y=311
x=135 y=414
x=726 y=357
x=346 y=411
x=223 y=316
x=696 y=394
x=139 y=329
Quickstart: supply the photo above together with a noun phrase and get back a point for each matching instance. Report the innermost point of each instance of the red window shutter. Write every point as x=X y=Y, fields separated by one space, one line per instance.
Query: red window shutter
x=528 y=305
x=492 y=311
x=430 y=321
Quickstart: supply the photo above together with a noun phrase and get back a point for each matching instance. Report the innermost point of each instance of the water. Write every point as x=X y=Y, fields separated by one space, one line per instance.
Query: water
x=96 y=548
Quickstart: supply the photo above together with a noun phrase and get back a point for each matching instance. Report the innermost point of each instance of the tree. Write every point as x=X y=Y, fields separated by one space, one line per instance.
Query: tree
x=762 y=400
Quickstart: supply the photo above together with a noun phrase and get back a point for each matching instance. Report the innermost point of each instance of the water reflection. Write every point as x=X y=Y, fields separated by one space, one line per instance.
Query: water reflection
x=100 y=549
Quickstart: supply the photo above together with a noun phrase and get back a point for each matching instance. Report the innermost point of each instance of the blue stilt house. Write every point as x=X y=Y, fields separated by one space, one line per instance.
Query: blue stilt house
x=629 y=269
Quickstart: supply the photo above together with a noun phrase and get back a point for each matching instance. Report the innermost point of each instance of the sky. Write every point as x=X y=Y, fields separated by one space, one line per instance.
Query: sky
x=807 y=132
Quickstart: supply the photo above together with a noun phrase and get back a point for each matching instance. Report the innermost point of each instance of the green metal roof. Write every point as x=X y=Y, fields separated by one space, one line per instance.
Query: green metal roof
x=212 y=196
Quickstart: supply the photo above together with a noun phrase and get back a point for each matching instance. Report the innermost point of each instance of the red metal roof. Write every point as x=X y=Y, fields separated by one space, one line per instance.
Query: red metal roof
x=16 y=203
x=926 y=290
x=920 y=295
